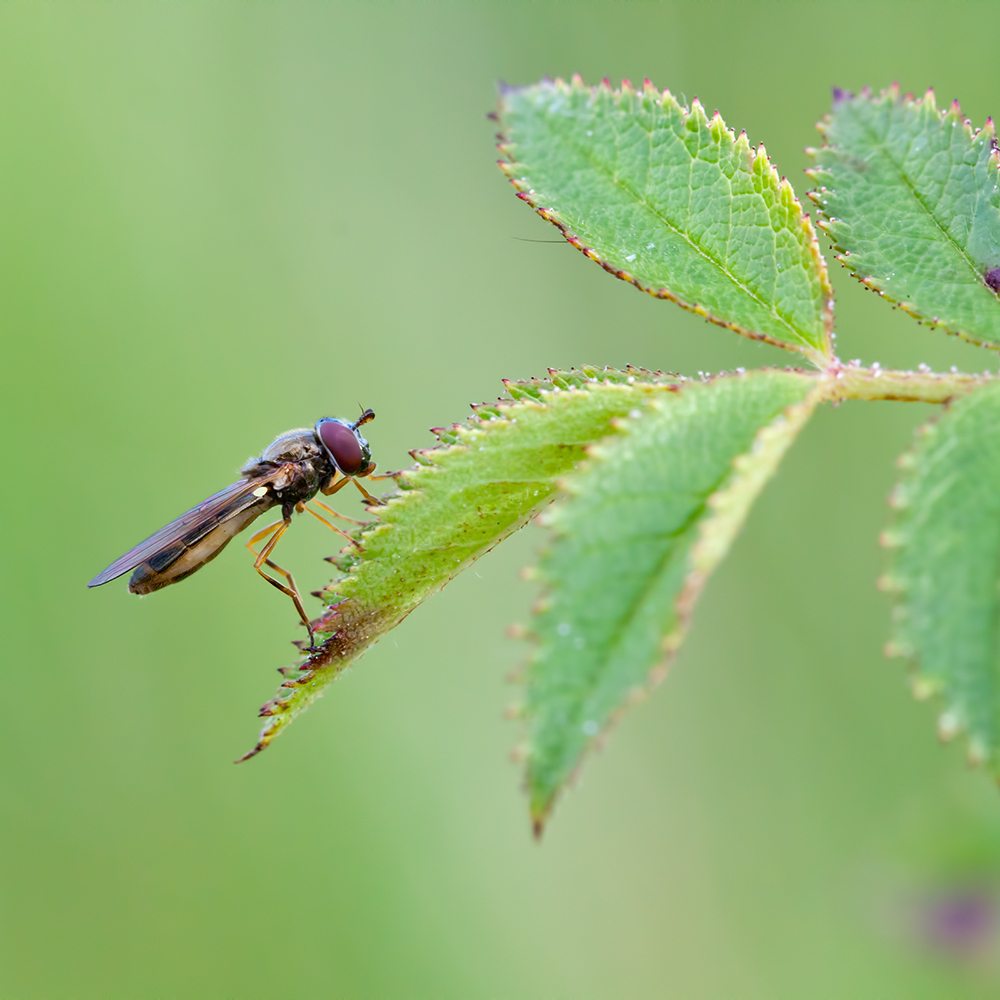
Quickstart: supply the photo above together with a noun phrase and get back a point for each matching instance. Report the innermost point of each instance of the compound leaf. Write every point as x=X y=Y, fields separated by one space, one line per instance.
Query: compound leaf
x=946 y=568
x=673 y=202
x=909 y=196
x=488 y=477
x=646 y=520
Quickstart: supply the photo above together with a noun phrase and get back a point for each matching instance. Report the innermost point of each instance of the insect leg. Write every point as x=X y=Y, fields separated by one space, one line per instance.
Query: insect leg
x=367 y=474
x=338 y=484
x=267 y=562
x=258 y=537
x=280 y=527
x=261 y=534
x=368 y=496
x=330 y=510
x=333 y=527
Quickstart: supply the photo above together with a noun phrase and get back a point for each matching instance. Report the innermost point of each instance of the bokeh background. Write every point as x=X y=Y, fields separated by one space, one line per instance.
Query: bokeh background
x=222 y=220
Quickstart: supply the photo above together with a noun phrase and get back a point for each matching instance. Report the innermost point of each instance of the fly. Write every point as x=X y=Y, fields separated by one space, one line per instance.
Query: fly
x=291 y=471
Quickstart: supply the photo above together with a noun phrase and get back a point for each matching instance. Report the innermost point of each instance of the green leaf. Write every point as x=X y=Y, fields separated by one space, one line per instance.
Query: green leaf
x=488 y=478
x=647 y=520
x=909 y=197
x=673 y=202
x=946 y=568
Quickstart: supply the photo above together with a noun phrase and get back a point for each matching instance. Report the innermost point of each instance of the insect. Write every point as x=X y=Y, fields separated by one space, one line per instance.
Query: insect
x=291 y=471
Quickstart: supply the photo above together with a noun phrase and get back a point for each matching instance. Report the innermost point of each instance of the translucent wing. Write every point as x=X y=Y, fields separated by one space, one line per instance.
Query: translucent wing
x=194 y=524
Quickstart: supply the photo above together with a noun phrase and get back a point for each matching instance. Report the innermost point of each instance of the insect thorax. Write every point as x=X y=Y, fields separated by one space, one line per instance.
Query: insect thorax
x=298 y=448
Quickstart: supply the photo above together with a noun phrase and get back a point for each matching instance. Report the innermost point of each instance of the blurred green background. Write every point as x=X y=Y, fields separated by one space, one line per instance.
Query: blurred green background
x=223 y=220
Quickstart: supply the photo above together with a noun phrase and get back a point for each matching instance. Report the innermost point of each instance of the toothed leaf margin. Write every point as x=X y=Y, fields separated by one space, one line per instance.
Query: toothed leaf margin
x=645 y=522
x=673 y=202
x=909 y=196
x=487 y=478
x=945 y=574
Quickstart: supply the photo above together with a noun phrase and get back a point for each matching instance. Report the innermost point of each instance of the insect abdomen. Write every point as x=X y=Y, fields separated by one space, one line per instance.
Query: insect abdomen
x=180 y=560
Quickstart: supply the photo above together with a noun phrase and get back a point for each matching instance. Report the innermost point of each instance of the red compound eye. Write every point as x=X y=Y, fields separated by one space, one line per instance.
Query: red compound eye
x=343 y=445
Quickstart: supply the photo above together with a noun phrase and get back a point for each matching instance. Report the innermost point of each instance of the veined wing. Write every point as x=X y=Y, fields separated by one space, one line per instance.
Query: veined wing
x=195 y=523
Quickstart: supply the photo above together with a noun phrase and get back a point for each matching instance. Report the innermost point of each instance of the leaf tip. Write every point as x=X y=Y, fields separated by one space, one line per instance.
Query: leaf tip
x=539 y=810
x=251 y=753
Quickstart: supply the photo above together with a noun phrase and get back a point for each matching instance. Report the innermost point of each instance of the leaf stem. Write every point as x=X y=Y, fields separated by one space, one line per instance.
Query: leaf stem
x=851 y=381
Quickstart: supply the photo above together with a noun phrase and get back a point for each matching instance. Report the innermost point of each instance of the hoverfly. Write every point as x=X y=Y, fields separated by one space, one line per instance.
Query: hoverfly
x=291 y=471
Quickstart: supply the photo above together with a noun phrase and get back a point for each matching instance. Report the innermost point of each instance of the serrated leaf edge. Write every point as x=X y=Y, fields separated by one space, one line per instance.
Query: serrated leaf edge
x=757 y=161
x=352 y=628
x=924 y=687
x=824 y=220
x=730 y=505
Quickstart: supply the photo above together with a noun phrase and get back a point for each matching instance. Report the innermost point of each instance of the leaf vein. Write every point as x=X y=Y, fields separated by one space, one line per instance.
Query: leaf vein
x=750 y=291
x=880 y=144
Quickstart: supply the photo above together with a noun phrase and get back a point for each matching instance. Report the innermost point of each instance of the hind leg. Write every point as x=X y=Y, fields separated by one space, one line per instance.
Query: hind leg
x=279 y=528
